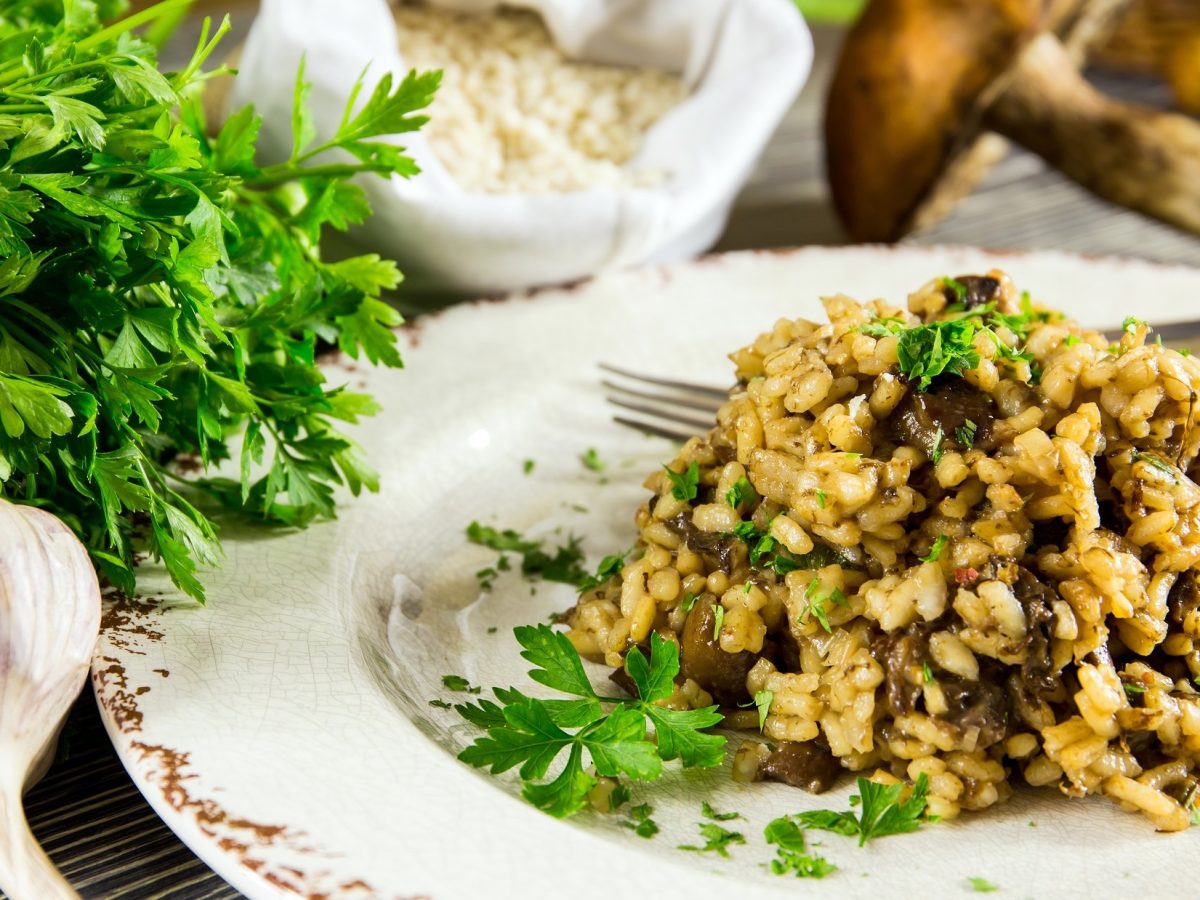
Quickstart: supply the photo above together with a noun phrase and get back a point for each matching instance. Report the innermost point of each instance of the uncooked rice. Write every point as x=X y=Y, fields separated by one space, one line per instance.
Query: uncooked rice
x=514 y=115
x=1055 y=639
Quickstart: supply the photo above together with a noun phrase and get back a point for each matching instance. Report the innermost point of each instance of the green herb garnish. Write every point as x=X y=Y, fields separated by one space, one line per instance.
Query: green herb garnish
x=965 y=433
x=959 y=289
x=1071 y=340
x=532 y=733
x=762 y=700
x=927 y=673
x=716 y=840
x=591 y=460
x=609 y=567
x=527 y=466
x=458 y=683
x=817 y=605
x=936 y=453
x=1132 y=324
x=708 y=812
x=791 y=854
x=563 y=564
x=981 y=885
x=718 y=620
x=684 y=487
x=441 y=704
x=881 y=812
x=689 y=600
x=164 y=290
x=1158 y=463
x=619 y=796
x=821 y=497
x=639 y=820
x=742 y=491
x=935 y=551
x=1133 y=687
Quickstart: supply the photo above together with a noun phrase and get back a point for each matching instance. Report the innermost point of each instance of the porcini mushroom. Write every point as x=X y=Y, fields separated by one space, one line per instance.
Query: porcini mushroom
x=920 y=81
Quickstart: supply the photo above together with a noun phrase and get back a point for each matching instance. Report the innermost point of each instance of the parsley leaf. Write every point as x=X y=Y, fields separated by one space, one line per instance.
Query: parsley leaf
x=564 y=565
x=817 y=603
x=684 y=486
x=527 y=466
x=1132 y=324
x=791 y=854
x=881 y=811
x=741 y=492
x=708 y=812
x=981 y=885
x=762 y=700
x=935 y=551
x=458 y=683
x=609 y=567
x=716 y=840
x=1071 y=340
x=936 y=453
x=639 y=820
x=927 y=673
x=965 y=433
x=532 y=734
x=821 y=497
x=1156 y=461
x=718 y=620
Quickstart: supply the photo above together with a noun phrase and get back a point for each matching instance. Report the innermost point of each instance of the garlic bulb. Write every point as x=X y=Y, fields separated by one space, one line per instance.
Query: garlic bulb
x=49 y=622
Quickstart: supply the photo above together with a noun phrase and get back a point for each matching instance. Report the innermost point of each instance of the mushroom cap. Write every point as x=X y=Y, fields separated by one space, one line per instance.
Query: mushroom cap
x=907 y=99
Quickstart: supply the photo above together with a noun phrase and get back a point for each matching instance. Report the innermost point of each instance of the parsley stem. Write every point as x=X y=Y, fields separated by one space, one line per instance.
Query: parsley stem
x=282 y=172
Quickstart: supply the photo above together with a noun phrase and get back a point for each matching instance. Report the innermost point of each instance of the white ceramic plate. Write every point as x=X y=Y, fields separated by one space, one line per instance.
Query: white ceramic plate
x=284 y=731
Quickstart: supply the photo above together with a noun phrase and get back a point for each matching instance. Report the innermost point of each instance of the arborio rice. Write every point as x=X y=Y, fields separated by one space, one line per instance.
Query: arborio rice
x=992 y=579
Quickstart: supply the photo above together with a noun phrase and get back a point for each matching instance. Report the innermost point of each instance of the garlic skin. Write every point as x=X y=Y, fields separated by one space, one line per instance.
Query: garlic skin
x=49 y=623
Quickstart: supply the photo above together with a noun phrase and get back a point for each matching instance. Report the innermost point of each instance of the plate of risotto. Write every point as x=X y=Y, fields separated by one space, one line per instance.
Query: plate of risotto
x=909 y=605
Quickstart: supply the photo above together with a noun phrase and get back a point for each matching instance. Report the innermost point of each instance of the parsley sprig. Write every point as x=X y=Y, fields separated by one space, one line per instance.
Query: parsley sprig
x=791 y=853
x=163 y=291
x=881 y=811
x=534 y=734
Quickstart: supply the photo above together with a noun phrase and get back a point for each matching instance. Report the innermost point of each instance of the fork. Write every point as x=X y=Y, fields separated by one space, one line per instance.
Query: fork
x=677 y=410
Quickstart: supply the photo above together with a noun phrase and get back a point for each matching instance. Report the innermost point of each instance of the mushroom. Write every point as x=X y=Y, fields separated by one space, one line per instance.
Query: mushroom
x=919 y=82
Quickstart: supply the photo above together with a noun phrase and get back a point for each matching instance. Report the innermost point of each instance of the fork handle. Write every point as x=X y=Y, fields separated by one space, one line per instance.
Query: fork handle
x=26 y=872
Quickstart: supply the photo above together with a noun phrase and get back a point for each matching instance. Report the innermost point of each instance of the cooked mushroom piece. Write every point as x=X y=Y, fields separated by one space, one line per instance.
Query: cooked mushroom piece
x=701 y=658
x=920 y=81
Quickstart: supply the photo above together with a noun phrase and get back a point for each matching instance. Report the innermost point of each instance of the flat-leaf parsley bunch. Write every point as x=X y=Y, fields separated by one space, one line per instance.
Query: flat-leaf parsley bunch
x=160 y=291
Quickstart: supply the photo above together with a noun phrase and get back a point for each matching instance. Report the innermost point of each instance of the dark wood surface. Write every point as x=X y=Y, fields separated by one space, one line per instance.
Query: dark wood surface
x=106 y=838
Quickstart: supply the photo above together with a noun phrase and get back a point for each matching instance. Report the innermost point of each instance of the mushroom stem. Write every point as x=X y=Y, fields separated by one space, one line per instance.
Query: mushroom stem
x=1140 y=158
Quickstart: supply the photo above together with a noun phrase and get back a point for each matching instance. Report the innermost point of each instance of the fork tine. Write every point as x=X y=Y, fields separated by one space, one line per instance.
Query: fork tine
x=704 y=390
x=705 y=404
x=663 y=412
x=652 y=429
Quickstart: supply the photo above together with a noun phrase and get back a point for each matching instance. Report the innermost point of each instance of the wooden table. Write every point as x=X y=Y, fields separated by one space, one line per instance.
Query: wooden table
x=108 y=841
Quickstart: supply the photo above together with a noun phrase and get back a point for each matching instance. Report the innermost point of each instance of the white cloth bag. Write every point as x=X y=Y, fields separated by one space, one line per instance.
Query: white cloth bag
x=742 y=61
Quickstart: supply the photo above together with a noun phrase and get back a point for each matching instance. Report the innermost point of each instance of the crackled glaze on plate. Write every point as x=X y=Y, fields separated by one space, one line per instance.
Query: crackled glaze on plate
x=284 y=731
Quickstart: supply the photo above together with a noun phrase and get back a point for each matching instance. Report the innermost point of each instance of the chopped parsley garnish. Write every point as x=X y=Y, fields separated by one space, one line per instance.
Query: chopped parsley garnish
x=492 y=630
x=742 y=491
x=881 y=812
x=718 y=620
x=618 y=797
x=591 y=460
x=689 y=600
x=927 y=673
x=1071 y=340
x=1134 y=688
x=762 y=699
x=965 y=433
x=683 y=487
x=959 y=289
x=936 y=453
x=640 y=822
x=935 y=551
x=533 y=734
x=458 y=683
x=527 y=466
x=563 y=564
x=609 y=567
x=817 y=603
x=765 y=553
x=981 y=885
x=947 y=347
x=1194 y=819
x=791 y=854
x=708 y=812
x=1185 y=352
x=1132 y=324
x=821 y=497
x=716 y=840
x=1157 y=462
x=441 y=704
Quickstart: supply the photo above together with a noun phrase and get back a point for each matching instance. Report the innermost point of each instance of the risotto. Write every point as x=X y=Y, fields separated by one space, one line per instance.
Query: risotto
x=960 y=539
